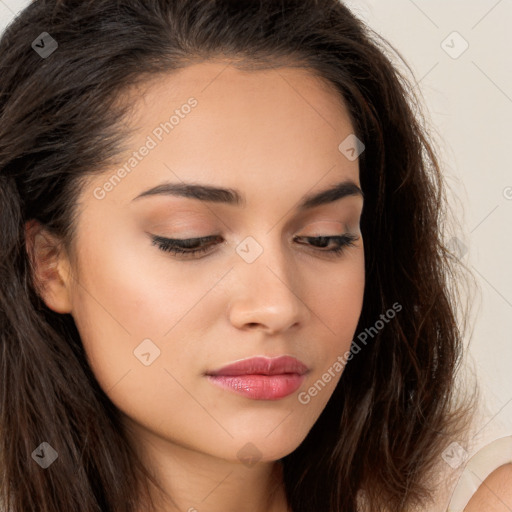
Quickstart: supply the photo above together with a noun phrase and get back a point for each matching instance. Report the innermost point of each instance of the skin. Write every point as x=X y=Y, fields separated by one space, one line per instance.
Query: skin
x=273 y=135
x=495 y=493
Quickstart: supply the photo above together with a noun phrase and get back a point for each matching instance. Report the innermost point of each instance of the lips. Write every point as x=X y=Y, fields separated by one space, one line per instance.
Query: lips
x=262 y=366
x=261 y=378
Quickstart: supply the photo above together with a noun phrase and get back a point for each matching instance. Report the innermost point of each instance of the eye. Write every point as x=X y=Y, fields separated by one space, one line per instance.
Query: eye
x=195 y=246
x=188 y=246
x=341 y=241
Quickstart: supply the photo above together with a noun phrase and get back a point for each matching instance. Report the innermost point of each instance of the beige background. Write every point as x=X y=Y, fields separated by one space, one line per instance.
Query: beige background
x=469 y=98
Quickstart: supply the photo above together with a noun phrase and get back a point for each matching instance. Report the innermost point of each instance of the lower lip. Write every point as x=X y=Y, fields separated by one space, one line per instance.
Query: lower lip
x=260 y=387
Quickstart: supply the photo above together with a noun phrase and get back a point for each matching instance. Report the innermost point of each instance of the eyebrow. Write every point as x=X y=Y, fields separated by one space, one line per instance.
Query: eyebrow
x=233 y=197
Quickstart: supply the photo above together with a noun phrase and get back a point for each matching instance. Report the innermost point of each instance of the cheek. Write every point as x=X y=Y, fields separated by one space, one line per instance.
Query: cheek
x=336 y=298
x=126 y=293
x=128 y=287
x=127 y=299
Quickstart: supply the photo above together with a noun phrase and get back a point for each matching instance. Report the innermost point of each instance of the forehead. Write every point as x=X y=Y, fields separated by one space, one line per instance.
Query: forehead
x=211 y=122
x=217 y=78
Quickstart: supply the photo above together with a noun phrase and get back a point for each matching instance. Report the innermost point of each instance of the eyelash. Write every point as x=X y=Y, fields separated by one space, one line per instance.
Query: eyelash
x=186 y=246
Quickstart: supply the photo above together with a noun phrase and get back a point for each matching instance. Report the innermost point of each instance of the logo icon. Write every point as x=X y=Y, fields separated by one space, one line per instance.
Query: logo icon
x=249 y=454
x=351 y=147
x=249 y=249
x=146 y=352
x=44 y=45
x=454 y=455
x=44 y=455
x=454 y=45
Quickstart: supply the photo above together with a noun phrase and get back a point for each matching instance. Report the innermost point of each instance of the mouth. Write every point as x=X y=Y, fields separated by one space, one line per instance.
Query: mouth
x=261 y=378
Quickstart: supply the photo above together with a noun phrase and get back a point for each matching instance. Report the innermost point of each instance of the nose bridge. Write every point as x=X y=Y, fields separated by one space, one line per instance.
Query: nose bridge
x=269 y=291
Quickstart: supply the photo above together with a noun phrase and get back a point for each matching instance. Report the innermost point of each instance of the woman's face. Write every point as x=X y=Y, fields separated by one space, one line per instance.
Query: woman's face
x=154 y=323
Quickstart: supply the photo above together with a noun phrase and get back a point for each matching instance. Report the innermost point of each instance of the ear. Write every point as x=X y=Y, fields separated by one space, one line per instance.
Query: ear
x=50 y=266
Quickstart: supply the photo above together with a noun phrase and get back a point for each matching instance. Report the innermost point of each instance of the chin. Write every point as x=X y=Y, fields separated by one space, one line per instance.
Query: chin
x=265 y=447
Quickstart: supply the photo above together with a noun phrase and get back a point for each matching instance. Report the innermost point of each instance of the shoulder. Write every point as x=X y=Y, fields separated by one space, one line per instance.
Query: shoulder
x=495 y=492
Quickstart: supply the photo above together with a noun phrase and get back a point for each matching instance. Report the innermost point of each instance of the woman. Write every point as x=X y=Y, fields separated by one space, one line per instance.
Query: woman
x=190 y=319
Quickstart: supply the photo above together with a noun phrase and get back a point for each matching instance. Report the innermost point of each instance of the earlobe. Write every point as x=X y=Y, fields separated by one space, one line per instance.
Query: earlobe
x=50 y=267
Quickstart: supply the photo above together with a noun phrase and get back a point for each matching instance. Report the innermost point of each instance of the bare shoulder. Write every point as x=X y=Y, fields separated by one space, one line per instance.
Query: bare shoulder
x=495 y=492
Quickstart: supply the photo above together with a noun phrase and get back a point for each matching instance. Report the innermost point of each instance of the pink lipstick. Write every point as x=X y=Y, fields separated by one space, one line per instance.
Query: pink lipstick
x=261 y=378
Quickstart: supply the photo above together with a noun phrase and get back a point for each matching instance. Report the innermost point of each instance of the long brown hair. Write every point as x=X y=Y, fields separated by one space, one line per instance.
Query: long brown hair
x=393 y=411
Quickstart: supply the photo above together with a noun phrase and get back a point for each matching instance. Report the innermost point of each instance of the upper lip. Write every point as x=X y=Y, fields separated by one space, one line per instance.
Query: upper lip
x=263 y=366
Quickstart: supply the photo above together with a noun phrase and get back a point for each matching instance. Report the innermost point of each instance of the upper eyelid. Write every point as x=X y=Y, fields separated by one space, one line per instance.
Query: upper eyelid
x=345 y=231
x=213 y=237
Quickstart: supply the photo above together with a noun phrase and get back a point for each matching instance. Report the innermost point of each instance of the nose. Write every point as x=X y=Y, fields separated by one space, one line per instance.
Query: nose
x=268 y=294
